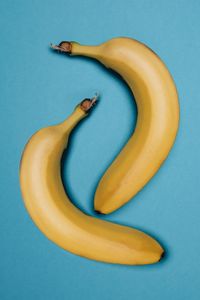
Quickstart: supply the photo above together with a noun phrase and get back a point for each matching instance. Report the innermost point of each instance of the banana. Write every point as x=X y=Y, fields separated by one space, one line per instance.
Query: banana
x=64 y=224
x=157 y=121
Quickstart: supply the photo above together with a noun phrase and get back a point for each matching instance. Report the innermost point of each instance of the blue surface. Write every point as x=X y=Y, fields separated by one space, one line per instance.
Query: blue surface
x=39 y=88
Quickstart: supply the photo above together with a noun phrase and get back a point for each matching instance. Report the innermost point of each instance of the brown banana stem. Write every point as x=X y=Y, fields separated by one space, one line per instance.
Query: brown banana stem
x=64 y=47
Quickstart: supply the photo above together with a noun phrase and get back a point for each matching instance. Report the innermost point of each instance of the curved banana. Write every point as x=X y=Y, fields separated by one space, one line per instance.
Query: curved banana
x=64 y=224
x=157 y=122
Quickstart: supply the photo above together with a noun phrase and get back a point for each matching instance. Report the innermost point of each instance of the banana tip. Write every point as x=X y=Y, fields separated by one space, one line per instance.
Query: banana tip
x=98 y=212
x=162 y=255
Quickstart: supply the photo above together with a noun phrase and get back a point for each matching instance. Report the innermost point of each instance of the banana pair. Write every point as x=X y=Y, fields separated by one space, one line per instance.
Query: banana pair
x=156 y=128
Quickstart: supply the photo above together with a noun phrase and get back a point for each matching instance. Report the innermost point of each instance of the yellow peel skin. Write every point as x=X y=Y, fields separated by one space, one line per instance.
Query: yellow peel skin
x=157 y=123
x=52 y=211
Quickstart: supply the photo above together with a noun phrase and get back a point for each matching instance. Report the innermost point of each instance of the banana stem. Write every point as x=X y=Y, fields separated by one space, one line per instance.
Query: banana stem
x=87 y=104
x=74 y=48
x=80 y=112
x=64 y=47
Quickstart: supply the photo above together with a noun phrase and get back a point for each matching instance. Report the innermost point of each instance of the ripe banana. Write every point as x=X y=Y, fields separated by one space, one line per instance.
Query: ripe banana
x=157 y=122
x=64 y=224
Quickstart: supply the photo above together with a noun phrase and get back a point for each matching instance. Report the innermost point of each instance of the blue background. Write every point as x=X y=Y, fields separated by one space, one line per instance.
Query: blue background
x=39 y=88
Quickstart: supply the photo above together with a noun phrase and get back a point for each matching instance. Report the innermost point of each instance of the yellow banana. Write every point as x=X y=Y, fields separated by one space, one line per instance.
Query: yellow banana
x=64 y=224
x=157 y=122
